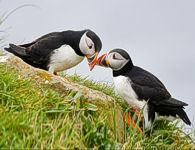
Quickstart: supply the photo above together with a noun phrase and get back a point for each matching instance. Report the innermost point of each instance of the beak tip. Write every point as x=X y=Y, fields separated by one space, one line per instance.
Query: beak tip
x=91 y=66
x=93 y=62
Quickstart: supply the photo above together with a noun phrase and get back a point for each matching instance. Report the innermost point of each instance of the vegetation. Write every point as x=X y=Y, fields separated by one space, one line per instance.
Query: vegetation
x=36 y=116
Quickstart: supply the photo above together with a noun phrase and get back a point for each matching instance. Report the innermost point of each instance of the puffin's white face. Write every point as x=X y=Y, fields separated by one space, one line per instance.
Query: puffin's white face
x=116 y=61
x=113 y=60
x=86 y=45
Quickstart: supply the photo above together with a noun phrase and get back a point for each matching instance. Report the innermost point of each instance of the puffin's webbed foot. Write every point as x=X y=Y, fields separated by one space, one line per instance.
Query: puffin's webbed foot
x=131 y=121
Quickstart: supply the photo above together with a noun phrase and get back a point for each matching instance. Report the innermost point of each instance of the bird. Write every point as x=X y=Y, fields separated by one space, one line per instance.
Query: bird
x=59 y=51
x=141 y=89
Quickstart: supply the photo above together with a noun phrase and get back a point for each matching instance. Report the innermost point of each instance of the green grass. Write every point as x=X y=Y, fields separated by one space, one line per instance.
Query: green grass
x=35 y=116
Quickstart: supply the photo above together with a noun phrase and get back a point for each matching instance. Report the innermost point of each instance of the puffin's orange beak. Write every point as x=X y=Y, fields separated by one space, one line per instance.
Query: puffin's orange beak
x=102 y=61
x=92 y=60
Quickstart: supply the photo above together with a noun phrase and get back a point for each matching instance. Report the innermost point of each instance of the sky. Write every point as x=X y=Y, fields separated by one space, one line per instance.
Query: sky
x=159 y=35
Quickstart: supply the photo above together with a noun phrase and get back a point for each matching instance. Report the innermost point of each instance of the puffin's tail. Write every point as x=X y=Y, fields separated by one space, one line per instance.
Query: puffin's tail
x=174 y=107
x=182 y=114
x=16 y=50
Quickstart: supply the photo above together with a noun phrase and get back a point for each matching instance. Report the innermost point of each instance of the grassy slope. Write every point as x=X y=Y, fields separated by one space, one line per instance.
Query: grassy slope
x=35 y=116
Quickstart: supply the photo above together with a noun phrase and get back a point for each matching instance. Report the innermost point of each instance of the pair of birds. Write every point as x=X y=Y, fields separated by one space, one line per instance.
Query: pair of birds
x=58 y=51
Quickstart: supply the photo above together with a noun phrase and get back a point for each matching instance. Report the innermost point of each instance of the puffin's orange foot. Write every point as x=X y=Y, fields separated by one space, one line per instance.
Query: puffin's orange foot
x=130 y=121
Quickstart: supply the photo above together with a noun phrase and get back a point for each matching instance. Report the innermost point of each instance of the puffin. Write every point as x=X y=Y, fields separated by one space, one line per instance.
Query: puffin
x=59 y=51
x=141 y=89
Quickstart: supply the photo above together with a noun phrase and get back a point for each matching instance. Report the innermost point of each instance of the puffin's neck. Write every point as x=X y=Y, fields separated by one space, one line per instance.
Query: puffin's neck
x=124 y=71
x=72 y=38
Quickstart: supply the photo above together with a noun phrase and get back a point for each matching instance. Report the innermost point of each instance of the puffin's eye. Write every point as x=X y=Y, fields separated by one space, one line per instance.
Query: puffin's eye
x=114 y=56
x=90 y=47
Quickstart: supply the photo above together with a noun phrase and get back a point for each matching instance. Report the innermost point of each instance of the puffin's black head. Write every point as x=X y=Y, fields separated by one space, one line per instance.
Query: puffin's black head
x=116 y=59
x=90 y=45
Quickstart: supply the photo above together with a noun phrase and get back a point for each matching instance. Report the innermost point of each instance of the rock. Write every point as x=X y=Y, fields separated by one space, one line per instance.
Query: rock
x=44 y=77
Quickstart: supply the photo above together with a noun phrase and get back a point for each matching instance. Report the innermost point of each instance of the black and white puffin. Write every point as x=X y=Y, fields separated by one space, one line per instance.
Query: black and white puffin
x=58 y=51
x=141 y=89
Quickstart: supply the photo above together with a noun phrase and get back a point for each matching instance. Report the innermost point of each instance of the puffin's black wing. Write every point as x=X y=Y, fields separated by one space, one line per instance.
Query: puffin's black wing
x=42 y=49
x=45 y=46
x=147 y=86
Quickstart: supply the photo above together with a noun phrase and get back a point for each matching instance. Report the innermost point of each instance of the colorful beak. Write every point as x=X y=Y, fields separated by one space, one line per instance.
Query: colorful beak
x=102 y=61
x=92 y=60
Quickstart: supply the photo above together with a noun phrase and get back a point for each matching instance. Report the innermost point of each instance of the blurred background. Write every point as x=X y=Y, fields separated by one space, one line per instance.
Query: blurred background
x=159 y=35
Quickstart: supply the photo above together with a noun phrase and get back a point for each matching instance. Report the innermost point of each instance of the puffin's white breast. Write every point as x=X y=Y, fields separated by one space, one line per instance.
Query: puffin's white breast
x=125 y=90
x=64 y=58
